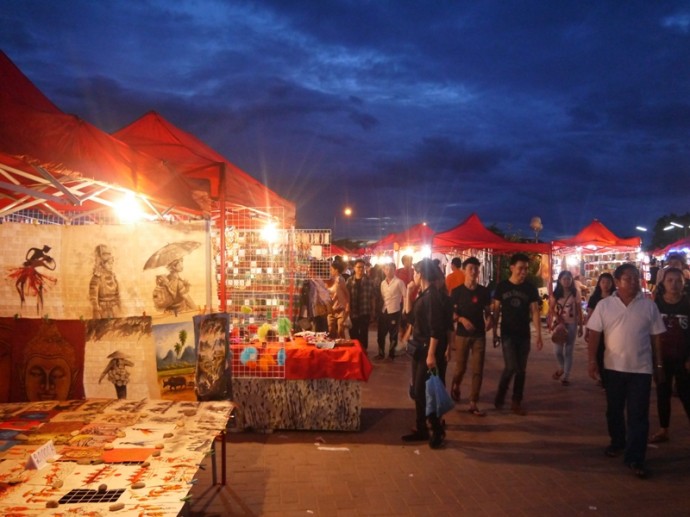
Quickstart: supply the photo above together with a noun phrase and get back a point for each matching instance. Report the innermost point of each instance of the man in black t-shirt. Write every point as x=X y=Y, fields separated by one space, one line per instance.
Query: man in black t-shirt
x=471 y=305
x=518 y=302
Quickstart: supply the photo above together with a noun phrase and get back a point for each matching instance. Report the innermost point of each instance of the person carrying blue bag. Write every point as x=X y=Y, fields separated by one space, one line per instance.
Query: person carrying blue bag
x=428 y=321
x=438 y=401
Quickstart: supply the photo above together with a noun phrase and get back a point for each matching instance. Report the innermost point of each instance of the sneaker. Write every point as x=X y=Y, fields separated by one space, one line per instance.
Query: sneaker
x=416 y=436
x=379 y=357
x=499 y=401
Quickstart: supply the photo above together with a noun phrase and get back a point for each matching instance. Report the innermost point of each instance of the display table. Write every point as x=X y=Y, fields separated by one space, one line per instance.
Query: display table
x=96 y=456
x=321 y=390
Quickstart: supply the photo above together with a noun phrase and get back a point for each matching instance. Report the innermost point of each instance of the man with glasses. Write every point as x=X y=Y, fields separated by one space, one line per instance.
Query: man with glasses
x=628 y=320
x=362 y=304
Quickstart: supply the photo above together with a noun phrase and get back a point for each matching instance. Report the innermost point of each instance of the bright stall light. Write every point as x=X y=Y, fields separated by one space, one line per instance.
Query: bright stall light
x=426 y=251
x=128 y=209
x=669 y=227
x=641 y=228
x=408 y=251
x=269 y=233
x=572 y=260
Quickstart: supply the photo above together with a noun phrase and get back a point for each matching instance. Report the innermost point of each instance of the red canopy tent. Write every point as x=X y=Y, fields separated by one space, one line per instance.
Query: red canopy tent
x=681 y=246
x=596 y=238
x=416 y=235
x=20 y=89
x=59 y=163
x=194 y=159
x=472 y=234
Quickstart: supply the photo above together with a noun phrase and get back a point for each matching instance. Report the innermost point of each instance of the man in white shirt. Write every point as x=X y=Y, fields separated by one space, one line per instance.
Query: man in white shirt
x=628 y=321
x=393 y=293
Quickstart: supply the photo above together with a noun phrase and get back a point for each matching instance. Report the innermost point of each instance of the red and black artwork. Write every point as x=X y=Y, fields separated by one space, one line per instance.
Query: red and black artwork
x=29 y=278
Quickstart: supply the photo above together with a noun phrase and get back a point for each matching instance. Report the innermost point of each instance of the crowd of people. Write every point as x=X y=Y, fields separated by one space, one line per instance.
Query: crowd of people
x=632 y=339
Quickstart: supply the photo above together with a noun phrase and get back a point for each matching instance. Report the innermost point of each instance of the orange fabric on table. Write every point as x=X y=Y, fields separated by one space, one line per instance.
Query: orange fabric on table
x=304 y=361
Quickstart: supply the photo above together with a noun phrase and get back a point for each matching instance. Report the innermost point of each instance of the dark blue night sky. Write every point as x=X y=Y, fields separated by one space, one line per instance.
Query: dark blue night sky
x=406 y=111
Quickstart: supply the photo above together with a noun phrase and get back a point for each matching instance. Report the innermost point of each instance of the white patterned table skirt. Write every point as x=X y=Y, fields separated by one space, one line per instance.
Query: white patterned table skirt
x=314 y=404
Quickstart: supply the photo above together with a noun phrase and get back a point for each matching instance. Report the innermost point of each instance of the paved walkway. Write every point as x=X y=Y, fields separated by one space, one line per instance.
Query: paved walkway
x=549 y=462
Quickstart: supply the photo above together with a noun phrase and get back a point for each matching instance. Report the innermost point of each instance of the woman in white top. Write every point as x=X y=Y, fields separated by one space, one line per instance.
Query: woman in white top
x=565 y=306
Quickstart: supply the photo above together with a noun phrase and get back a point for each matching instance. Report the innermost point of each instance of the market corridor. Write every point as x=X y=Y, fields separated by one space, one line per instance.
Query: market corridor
x=549 y=462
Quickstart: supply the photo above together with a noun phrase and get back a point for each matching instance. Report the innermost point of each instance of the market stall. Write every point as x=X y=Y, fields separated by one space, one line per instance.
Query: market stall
x=595 y=250
x=235 y=237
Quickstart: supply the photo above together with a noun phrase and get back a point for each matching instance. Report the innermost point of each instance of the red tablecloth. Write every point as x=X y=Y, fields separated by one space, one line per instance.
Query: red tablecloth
x=305 y=361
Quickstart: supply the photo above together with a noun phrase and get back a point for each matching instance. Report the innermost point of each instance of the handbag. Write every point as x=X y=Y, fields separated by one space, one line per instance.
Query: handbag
x=560 y=334
x=438 y=400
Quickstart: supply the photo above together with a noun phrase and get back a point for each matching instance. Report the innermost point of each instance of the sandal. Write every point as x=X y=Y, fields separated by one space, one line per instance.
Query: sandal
x=658 y=437
x=557 y=375
x=455 y=391
x=476 y=411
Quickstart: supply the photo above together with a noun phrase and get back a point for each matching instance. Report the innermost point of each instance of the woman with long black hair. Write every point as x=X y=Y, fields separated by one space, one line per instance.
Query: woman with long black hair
x=429 y=325
x=565 y=308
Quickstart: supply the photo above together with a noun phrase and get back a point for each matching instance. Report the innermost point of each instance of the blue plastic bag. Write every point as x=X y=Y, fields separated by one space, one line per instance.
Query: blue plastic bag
x=438 y=400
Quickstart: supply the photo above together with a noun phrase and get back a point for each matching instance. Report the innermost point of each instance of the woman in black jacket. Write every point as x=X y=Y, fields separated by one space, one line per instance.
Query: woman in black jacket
x=429 y=326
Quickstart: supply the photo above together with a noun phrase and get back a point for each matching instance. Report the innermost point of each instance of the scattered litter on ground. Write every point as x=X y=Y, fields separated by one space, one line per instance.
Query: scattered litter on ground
x=319 y=439
x=416 y=451
x=340 y=449
x=592 y=507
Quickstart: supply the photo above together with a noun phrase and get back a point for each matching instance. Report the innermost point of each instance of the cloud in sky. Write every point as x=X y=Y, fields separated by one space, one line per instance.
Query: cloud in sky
x=407 y=111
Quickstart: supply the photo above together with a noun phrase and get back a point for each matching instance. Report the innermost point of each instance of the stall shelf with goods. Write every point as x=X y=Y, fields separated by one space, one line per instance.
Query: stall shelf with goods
x=593 y=251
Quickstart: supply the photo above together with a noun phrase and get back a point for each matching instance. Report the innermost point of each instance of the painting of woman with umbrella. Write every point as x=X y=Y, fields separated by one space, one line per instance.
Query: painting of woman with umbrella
x=171 y=293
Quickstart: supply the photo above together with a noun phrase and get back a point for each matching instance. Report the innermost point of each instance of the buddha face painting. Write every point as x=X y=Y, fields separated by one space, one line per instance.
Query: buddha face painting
x=50 y=367
x=47 y=378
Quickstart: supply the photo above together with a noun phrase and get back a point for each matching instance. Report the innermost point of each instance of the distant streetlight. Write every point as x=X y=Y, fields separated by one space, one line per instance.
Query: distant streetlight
x=347 y=211
x=679 y=226
x=536 y=226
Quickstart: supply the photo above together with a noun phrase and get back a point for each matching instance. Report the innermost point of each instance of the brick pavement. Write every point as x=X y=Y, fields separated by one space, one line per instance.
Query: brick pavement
x=549 y=462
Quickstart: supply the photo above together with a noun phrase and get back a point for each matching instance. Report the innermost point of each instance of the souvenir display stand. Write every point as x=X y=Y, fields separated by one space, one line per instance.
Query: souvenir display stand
x=321 y=388
x=97 y=456
x=593 y=251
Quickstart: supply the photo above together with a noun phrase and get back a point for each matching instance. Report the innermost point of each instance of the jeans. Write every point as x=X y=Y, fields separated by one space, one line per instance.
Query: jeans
x=673 y=368
x=465 y=345
x=360 y=329
x=628 y=393
x=564 y=353
x=389 y=323
x=515 y=354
